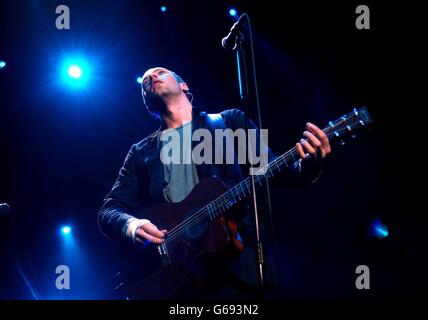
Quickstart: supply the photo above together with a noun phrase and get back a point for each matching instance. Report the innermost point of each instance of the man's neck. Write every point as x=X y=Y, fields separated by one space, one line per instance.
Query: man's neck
x=177 y=114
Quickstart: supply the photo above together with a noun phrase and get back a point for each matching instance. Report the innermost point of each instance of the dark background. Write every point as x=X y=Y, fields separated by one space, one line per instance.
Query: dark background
x=61 y=148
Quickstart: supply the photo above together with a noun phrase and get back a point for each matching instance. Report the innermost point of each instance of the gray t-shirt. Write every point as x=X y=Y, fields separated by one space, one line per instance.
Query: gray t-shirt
x=179 y=178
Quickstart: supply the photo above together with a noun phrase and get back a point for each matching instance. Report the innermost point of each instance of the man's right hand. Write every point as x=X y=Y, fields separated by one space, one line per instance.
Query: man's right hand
x=149 y=232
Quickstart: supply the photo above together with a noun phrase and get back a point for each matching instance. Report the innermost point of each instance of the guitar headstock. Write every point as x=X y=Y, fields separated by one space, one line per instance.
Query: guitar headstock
x=348 y=125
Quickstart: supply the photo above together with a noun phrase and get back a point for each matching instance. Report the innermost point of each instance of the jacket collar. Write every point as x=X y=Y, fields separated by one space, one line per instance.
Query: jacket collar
x=152 y=146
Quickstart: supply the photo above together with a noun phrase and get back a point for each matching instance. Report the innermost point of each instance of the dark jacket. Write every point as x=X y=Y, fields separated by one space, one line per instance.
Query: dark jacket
x=140 y=184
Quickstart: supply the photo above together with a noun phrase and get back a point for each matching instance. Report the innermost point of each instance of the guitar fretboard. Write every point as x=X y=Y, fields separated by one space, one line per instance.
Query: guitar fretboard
x=335 y=130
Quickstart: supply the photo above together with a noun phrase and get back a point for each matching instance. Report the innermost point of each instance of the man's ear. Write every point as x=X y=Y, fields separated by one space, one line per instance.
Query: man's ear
x=184 y=87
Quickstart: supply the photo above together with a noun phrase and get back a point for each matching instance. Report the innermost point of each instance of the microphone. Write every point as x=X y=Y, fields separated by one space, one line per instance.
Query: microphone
x=229 y=41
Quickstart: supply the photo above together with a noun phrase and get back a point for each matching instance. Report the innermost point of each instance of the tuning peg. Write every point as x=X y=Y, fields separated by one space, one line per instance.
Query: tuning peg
x=342 y=142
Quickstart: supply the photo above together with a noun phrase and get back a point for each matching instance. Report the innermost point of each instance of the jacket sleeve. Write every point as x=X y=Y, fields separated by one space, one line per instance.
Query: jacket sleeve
x=123 y=201
x=301 y=172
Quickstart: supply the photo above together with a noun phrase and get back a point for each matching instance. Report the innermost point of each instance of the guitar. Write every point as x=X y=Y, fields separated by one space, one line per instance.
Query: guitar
x=197 y=226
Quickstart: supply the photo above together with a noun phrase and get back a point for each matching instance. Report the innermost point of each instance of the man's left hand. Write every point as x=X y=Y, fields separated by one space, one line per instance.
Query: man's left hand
x=316 y=143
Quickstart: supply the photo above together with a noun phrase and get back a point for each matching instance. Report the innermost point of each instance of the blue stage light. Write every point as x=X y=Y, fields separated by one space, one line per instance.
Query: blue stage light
x=2 y=64
x=74 y=71
x=140 y=80
x=67 y=236
x=378 y=229
x=66 y=230
x=233 y=12
x=163 y=8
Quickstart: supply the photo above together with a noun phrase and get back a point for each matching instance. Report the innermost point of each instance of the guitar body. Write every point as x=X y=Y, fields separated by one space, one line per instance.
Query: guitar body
x=152 y=275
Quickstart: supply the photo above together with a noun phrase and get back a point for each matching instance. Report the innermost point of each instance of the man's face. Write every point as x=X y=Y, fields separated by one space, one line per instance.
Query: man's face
x=160 y=82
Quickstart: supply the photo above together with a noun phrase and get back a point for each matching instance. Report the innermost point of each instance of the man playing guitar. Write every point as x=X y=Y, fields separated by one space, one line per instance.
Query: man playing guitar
x=144 y=181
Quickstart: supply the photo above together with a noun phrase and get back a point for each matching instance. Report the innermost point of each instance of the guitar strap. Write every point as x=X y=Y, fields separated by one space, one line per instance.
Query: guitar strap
x=216 y=121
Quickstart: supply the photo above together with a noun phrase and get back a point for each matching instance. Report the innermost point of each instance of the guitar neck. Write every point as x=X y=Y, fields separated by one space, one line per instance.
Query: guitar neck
x=338 y=129
x=334 y=131
x=245 y=187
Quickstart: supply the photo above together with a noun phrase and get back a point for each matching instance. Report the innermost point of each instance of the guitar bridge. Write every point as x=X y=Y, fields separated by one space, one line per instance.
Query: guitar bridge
x=163 y=253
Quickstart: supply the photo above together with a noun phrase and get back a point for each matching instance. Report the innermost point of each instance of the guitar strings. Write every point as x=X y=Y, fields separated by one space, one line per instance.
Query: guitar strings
x=219 y=202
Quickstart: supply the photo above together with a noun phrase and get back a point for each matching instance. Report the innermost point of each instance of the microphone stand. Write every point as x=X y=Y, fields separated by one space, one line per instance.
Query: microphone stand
x=242 y=69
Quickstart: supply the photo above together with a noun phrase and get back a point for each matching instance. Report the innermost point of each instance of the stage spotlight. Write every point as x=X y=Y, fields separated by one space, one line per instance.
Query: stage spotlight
x=140 y=80
x=2 y=64
x=233 y=12
x=378 y=229
x=163 y=9
x=75 y=72
x=67 y=237
x=66 y=230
